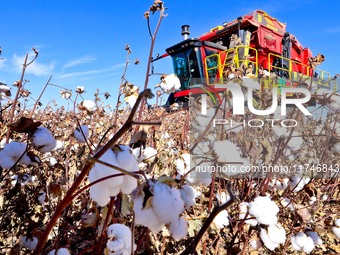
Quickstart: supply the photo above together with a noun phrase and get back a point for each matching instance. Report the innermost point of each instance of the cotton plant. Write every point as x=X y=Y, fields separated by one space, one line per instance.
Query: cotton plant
x=160 y=206
x=122 y=157
x=119 y=240
x=82 y=133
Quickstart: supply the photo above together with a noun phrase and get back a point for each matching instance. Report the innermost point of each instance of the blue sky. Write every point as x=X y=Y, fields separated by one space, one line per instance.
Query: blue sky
x=81 y=42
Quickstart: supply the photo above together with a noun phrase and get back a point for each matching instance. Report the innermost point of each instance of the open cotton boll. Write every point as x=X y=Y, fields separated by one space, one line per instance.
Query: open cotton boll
x=297 y=182
x=116 y=247
x=29 y=243
x=277 y=233
x=123 y=234
x=82 y=133
x=222 y=219
x=149 y=153
x=167 y=202
x=131 y=100
x=337 y=222
x=88 y=105
x=336 y=232
x=11 y=153
x=170 y=83
x=183 y=164
x=308 y=245
x=188 y=195
x=100 y=194
x=295 y=246
x=300 y=239
x=60 y=251
x=222 y=198
x=179 y=228
x=273 y=236
x=268 y=216
x=129 y=184
x=316 y=238
x=195 y=177
x=287 y=203
x=6 y=162
x=3 y=142
x=43 y=140
x=52 y=161
x=60 y=145
x=126 y=158
x=146 y=216
x=102 y=191
x=244 y=207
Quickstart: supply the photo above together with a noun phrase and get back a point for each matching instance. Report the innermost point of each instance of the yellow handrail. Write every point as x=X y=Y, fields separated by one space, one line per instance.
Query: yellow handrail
x=214 y=67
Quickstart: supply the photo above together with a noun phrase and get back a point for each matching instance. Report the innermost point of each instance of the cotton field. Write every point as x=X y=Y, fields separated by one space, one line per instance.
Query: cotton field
x=130 y=179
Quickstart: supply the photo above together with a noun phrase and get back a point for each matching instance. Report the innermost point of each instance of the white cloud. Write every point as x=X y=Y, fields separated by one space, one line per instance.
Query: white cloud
x=83 y=60
x=84 y=75
x=332 y=30
x=36 y=68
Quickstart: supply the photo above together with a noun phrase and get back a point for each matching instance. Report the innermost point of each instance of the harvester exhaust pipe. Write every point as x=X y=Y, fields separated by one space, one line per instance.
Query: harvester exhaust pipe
x=185 y=31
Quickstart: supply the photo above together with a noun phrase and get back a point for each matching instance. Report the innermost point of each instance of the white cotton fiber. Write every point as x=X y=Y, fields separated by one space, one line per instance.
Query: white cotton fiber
x=309 y=245
x=82 y=133
x=170 y=83
x=264 y=210
x=337 y=222
x=60 y=251
x=43 y=140
x=244 y=207
x=222 y=219
x=316 y=238
x=120 y=231
x=266 y=240
x=179 y=228
x=115 y=245
x=167 y=202
x=188 y=195
x=277 y=233
x=336 y=232
x=29 y=243
x=102 y=191
x=146 y=216
x=129 y=184
x=119 y=239
x=100 y=194
x=11 y=153
x=126 y=159
x=273 y=236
